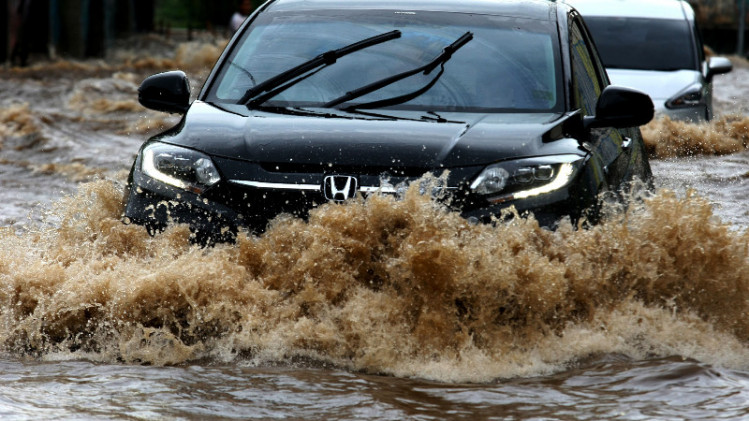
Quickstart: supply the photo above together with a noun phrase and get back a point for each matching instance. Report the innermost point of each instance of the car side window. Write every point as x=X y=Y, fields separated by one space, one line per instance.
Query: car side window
x=586 y=80
x=699 y=41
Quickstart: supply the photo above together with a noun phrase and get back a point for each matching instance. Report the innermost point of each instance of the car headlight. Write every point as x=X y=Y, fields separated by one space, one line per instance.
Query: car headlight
x=689 y=97
x=180 y=167
x=525 y=178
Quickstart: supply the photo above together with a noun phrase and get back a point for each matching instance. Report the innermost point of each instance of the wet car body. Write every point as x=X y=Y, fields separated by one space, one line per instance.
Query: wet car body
x=236 y=162
x=656 y=46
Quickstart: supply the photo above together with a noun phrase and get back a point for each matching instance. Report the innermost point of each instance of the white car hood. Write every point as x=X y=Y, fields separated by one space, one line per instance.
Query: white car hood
x=661 y=86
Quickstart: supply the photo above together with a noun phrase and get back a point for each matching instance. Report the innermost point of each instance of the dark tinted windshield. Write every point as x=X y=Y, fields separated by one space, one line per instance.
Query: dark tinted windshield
x=509 y=65
x=644 y=44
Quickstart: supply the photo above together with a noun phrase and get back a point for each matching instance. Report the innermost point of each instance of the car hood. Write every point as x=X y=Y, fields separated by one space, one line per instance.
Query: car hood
x=388 y=139
x=661 y=86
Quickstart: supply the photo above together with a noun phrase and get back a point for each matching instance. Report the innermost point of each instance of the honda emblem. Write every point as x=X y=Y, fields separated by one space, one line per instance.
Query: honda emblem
x=340 y=187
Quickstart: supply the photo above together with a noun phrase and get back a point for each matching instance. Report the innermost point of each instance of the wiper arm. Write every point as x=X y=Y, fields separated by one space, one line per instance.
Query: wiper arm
x=441 y=59
x=325 y=59
x=245 y=71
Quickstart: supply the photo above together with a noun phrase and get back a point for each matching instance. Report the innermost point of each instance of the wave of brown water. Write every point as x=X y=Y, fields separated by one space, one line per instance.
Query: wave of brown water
x=99 y=320
x=381 y=286
x=666 y=138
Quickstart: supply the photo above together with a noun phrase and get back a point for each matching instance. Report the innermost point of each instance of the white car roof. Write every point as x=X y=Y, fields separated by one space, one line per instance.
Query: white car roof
x=655 y=9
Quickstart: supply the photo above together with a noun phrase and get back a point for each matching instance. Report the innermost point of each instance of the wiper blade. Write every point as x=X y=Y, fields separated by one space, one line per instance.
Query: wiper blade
x=325 y=59
x=441 y=59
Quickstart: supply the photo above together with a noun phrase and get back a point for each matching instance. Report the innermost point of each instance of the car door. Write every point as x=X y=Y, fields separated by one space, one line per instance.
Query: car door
x=609 y=146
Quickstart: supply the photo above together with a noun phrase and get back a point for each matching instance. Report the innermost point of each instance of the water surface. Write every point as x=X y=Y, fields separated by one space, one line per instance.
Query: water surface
x=378 y=309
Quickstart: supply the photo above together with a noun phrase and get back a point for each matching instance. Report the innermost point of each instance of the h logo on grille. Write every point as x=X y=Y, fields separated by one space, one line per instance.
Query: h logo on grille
x=340 y=187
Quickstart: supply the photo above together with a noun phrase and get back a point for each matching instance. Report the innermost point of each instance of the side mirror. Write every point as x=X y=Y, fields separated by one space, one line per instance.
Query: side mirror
x=718 y=66
x=621 y=107
x=169 y=92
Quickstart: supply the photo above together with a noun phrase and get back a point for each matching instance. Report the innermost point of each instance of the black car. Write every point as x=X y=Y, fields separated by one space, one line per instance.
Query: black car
x=322 y=100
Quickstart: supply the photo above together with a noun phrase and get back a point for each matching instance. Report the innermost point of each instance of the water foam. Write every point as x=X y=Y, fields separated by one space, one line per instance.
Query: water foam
x=16 y=121
x=398 y=287
x=666 y=138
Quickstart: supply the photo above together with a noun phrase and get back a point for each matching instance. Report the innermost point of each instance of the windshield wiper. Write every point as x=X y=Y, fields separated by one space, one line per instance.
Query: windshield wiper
x=441 y=59
x=273 y=85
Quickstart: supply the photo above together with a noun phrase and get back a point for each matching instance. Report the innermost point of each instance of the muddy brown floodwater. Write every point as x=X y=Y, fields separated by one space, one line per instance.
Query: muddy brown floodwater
x=376 y=309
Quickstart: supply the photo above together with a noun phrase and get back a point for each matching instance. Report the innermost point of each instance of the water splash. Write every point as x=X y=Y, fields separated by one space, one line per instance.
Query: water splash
x=399 y=287
x=18 y=121
x=666 y=138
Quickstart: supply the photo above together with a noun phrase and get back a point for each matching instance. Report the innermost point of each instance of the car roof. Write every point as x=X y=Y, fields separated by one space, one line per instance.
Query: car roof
x=655 y=9
x=529 y=9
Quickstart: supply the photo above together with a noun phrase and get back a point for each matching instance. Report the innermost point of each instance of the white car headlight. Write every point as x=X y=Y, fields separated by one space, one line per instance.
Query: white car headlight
x=691 y=96
x=179 y=167
x=525 y=178
x=492 y=180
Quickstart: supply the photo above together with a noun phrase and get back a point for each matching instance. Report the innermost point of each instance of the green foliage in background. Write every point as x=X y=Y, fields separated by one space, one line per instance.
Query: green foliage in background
x=197 y=14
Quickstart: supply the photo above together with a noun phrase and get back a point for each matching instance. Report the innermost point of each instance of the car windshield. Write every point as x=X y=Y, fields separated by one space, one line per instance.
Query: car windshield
x=510 y=65
x=643 y=44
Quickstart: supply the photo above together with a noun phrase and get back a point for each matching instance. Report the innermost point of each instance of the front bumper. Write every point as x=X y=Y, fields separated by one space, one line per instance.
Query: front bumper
x=219 y=214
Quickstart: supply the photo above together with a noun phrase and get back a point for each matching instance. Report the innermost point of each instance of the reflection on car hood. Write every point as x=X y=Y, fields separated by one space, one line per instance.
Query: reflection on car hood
x=661 y=86
x=391 y=138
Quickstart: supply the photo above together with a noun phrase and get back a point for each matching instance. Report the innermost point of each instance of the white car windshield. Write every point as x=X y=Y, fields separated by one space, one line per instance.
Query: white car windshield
x=643 y=44
x=509 y=65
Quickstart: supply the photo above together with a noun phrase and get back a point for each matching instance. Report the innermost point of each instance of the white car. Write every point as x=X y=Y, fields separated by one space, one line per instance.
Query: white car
x=655 y=46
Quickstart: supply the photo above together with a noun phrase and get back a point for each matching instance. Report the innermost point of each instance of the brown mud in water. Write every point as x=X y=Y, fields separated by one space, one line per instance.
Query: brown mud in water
x=64 y=122
x=145 y=53
x=383 y=286
x=666 y=138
